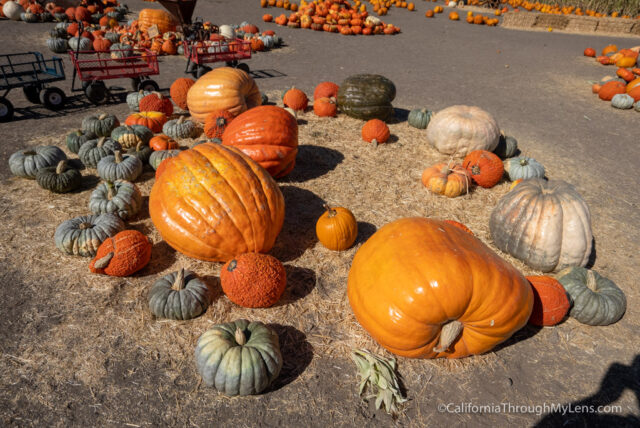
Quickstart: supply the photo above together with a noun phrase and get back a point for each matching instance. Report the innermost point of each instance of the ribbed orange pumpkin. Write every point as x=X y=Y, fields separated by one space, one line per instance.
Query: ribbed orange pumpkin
x=156 y=102
x=163 y=142
x=590 y=52
x=337 y=228
x=101 y=44
x=459 y=226
x=162 y=19
x=486 y=168
x=179 y=90
x=635 y=93
x=151 y=119
x=448 y=180
x=609 y=89
x=223 y=88
x=550 y=301
x=631 y=85
x=268 y=135
x=122 y=255
x=375 y=131
x=325 y=90
x=216 y=122
x=253 y=280
x=82 y=14
x=214 y=203
x=295 y=99
x=464 y=301
x=325 y=107
x=627 y=75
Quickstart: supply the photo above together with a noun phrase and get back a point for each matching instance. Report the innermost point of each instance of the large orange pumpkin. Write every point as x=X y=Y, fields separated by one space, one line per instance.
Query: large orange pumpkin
x=268 y=135
x=426 y=289
x=214 y=203
x=162 y=19
x=223 y=88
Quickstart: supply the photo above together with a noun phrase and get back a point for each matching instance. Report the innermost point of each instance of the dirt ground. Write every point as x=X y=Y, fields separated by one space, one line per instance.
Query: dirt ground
x=83 y=350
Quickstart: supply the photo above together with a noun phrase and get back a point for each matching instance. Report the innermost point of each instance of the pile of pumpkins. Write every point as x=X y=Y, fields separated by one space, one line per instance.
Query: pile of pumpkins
x=333 y=16
x=32 y=11
x=471 y=18
x=555 y=9
x=623 y=89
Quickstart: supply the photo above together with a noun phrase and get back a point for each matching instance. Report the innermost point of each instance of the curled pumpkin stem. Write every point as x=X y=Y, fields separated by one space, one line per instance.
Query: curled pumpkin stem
x=330 y=211
x=178 y=283
x=449 y=333
x=103 y=262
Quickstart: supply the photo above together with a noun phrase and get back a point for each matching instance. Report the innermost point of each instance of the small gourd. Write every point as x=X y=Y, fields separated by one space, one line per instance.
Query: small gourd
x=100 y=125
x=118 y=167
x=77 y=138
x=179 y=128
x=375 y=131
x=121 y=198
x=253 y=280
x=93 y=150
x=60 y=178
x=81 y=236
x=523 y=168
x=179 y=295
x=26 y=163
x=419 y=118
x=122 y=255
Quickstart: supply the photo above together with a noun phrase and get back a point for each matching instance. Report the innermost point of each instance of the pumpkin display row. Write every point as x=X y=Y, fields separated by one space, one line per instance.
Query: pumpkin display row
x=623 y=89
x=32 y=11
x=599 y=10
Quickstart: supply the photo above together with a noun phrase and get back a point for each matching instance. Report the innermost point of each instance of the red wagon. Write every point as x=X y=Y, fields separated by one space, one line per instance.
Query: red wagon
x=94 y=67
x=199 y=53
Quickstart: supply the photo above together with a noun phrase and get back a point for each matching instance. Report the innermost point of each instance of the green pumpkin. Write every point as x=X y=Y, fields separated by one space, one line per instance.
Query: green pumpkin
x=239 y=358
x=596 y=300
x=57 y=45
x=160 y=155
x=26 y=163
x=60 y=178
x=179 y=296
x=77 y=138
x=117 y=167
x=179 y=128
x=507 y=147
x=419 y=118
x=130 y=136
x=113 y=37
x=622 y=101
x=100 y=125
x=133 y=98
x=92 y=151
x=523 y=168
x=81 y=236
x=59 y=33
x=121 y=50
x=367 y=96
x=121 y=198
x=141 y=151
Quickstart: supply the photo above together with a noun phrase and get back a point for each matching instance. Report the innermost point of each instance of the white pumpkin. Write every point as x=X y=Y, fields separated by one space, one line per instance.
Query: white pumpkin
x=12 y=10
x=458 y=130
x=227 y=31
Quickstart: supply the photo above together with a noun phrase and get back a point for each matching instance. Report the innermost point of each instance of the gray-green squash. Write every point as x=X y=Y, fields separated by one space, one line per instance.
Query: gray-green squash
x=121 y=50
x=523 y=168
x=26 y=163
x=92 y=151
x=101 y=125
x=121 y=198
x=133 y=99
x=596 y=300
x=130 y=136
x=179 y=128
x=367 y=96
x=419 y=118
x=81 y=236
x=113 y=37
x=507 y=147
x=179 y=295
x=84 y=44
x=239 y=358
x=57 y=45
x=141 y=151
x=622 y=101
x=60 y=178
x=160 y=155
x=77 y=138
x=118 y=167
x=58 y=33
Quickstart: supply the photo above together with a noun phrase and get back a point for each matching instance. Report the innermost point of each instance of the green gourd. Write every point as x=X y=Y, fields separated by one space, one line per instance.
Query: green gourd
x=60 y=178
x=179 y=295
x=81 y=236
x=121 y=198
x=117 y=167
x=26 y=163
x=419 y=118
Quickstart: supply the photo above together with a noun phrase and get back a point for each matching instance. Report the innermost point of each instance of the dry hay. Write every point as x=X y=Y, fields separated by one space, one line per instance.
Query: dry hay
x=97 y=317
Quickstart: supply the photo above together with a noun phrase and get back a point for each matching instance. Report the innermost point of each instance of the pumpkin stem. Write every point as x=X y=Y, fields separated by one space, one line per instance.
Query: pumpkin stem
x=139 y=146
x=475 y=170
x=449 y=333
x=232 y=265
x=103 y=262
x=220 y=122
x=591 y=281
x=29 y=153
x=118 y=156
x=241 y=339
x=178 y=283
x=158 y=94
x=524 y=162
x=85 y=225
x=62 y=165
x=103 y=116
x=180 y=120
x=374 y=142
x=101 y=141
x=110 y=190
x=330 y=211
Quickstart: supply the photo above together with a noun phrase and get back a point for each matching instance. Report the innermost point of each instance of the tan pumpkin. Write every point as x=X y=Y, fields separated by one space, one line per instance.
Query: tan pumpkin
x=459 y=130
x=223 y=88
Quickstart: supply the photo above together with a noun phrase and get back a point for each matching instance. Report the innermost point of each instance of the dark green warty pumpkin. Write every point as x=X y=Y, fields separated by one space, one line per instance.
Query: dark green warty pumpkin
x=60 y=178
x=122 y=198
x=26 y=163
x=179 y=295
x=367 y=96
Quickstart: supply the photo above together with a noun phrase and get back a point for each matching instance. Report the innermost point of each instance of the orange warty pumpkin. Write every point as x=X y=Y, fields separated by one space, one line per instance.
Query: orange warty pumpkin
x=163 y=142
x=325 y=107
x=162 y=19
x=179 y=89
x=122 y=255
x=253 y=280
x=486 y=168
x=151 y=119
x=216 y=122
x=156 y=102
x=223 y=88
x=325 y=90
x=550 y=301
x=295 y=99
x=464 y=301
x=214 y=203
x=375 y=131
x=268 y=135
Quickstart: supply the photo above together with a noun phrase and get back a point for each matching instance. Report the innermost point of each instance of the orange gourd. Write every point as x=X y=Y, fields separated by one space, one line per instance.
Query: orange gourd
x=486 y=168
x=268 y=135
x=464 y=301
x=295 y=99
x=122 y=255
x=550 y=301
x=375 y=131
x=163 y=142
x=216 y=122
x=627 y=75
x=337 y=228
x=179 y=89
x=214 y=203
x=154 y=120
x=609 y=49
x=224 y=88
x=253 y=280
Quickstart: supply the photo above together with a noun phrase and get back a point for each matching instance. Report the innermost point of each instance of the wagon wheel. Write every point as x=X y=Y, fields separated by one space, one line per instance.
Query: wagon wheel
x=97 y=92
x=32 y=93
x=202 y=70
x=148 y=85
x=53 y=98
x=243 y=66
x=6 y=110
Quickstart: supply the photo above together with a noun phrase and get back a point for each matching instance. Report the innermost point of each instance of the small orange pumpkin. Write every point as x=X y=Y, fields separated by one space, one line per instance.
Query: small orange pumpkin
x=122 y=255
x=627 y=75
x=486 y=168
x=154 y=120
x=295 y=99
x=446 y=179
x=550 y=301
x=375 y=131
x=163 y=142
x=325 y=107
x=325 y=90
x=337 y=228
x=253 y=280
x=609 y=49
x=216 y=122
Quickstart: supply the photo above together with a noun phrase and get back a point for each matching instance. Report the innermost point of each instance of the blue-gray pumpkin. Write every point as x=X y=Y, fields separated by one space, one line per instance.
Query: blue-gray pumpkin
x=81 y=236
x=83 y=43
x=118 y=167
x=507 y=147
x=112 y=36
x=419 y=118
x=76 y=139
x=130 y=136
x=101 y=125
x=121 y=198
x=622 y=101
x=239 y=358
x=179 y=128
x=141 y=151
x=92 y=151
x=159 y=155
x=60 y=178
x=133 y=99
x=26 y=163
x=57 y=45
x=523 y=168
x=179 y=295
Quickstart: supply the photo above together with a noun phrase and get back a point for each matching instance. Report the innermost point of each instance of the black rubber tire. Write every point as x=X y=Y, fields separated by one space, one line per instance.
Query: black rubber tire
x=148 y=85
x=243 y=66
x=202 y=70
x=96 y=92
x=32 y=93
x=135 y=83
x=53 y=98
x=6 y=110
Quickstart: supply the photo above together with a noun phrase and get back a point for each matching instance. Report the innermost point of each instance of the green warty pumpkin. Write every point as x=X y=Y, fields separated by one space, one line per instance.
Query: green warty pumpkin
x=179 y=128
x=60 y=178
x=77 y=138
x=367 y=96
x=179 y=296
x=117 y=167
x=100 y=125
x=81 y=236
x=133 y=98
x=26 y=163
x=419 y=118
x=121 y=198
x=92 y=151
